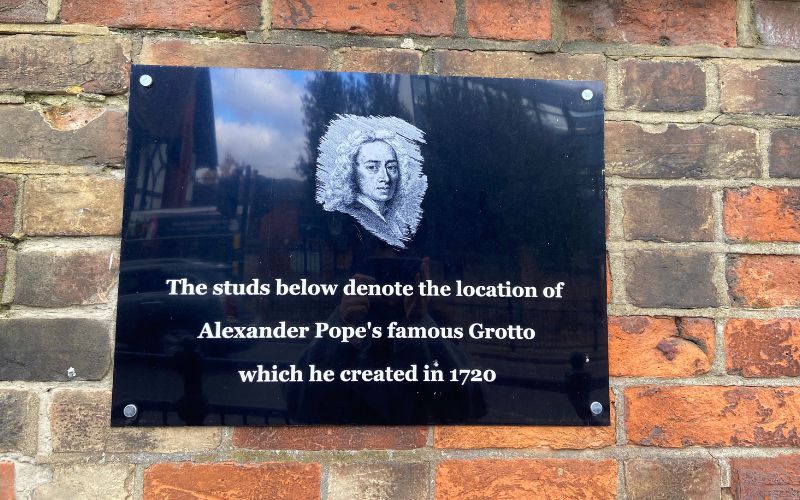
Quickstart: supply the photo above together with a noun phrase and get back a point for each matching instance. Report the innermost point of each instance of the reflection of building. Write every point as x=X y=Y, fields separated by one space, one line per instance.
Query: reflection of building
x=164 y=158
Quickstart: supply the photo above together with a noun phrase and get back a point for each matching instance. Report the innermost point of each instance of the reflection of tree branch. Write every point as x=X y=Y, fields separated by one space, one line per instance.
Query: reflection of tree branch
x=329 y=94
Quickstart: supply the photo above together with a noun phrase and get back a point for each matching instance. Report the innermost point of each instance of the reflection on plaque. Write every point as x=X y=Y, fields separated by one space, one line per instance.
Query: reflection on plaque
x=346 y=248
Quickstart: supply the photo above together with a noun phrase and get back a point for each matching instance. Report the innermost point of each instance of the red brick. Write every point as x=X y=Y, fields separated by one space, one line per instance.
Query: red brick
x=8 y=202
x=380 y=60
x=220 y=15
x=23 y=11
x=330 y=438
x=762 y=214
x=676 y=417
x=663 y=85
x=370 y=17
x=644 y=346
x=173 y=52
x=760 y=281
x=680 y=152
x=763 y=348
x=784 y=153
x=509 y=19
x=61 y=64
x=7 y=481
x=759 y=88
x=277 y=481
x=664 y=22
x=694 y=478
x=500 y=436
x=778 y=22
x=557 y=66
x=526 y=478
x=774 y=478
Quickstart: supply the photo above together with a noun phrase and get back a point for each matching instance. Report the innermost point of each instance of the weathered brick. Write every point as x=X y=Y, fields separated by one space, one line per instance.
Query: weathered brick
x=663 y=22
x=219 y=15
x=778 y=22
x=58 y=64
x=677 y=417
x=552 y=66
x=23 y=11
x=526 y=478
x=7 y=481
x=89 y=482
x=370 y=17
x=374 y=481
x=494 y=436
x=774 y=478
x=279 y=481
x=38 y=349
x=760 y=281
x=757 y=88
x=57 y=278
x=659 y=278
x=693 y=152
x=662 y=85
x=762 y=214
x=675 y=213
x=509 y=19
x=643 y=346
x=784 y=153
x=172 y=52
x=763 y=348
x=695 y=478
x=79 y=422
x=79 y=206
x=502 y=436
x=330 y=438
x=28 y=137
x=380 y=60
x=8 y=202
x=19 y=411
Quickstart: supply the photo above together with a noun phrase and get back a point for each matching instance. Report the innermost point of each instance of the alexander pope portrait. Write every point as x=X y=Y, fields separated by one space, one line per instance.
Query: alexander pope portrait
x=370 y=167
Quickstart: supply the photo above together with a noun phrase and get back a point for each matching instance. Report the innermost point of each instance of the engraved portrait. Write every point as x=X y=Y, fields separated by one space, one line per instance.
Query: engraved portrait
x=370 y=167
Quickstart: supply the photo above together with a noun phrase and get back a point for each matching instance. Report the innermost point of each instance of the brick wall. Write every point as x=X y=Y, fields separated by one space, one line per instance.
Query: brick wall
x=703 y=183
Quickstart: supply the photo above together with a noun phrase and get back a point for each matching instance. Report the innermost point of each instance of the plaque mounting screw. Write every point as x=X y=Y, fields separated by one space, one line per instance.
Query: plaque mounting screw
x=587 y=94
x=596 y=408
x=146 y=80
x=130 y=410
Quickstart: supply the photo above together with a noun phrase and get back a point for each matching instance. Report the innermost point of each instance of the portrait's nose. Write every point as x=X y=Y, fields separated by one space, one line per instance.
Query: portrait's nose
x=383 y=174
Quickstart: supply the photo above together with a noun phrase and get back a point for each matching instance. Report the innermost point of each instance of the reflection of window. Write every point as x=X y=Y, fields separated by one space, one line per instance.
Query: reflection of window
x=304 y=262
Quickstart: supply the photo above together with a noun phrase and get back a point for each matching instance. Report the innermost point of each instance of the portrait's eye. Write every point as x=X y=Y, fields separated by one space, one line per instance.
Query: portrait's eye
x=371 y=166
x=391 y=167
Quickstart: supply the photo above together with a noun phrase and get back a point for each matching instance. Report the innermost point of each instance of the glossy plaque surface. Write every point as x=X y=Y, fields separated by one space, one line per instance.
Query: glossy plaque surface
x=346 y=248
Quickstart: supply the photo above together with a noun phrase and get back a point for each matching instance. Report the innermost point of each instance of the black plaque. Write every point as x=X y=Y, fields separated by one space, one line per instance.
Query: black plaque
x=347 y=248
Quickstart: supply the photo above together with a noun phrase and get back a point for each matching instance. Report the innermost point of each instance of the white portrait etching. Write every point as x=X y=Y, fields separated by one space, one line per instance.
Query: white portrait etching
x=371 y=168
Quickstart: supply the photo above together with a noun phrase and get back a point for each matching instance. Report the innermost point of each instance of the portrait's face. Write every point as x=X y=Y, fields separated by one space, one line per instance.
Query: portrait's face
x=377 y=171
